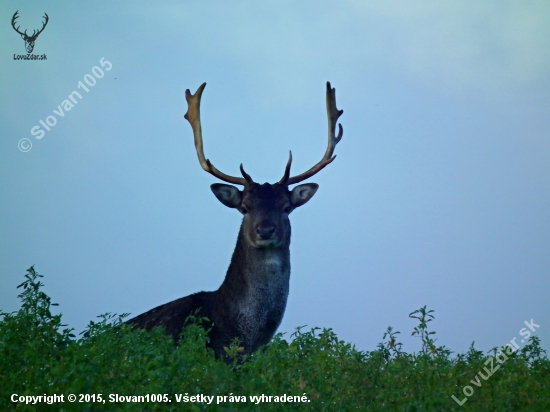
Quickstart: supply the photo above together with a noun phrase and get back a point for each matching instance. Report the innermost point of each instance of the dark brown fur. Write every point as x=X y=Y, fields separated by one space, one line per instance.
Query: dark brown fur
x=251 y=301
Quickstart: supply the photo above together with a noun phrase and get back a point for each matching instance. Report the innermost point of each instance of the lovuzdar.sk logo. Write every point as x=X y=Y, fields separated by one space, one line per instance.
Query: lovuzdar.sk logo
x=29 y=40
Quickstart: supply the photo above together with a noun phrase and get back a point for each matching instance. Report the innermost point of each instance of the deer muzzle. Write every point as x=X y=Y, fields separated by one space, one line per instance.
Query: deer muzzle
x=265 y=231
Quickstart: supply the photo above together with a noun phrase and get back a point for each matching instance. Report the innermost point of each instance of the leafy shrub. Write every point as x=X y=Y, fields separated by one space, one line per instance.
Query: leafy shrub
x=39 y=356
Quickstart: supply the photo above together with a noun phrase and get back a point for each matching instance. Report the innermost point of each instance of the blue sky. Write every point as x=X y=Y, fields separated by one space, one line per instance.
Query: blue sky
x=439 y=196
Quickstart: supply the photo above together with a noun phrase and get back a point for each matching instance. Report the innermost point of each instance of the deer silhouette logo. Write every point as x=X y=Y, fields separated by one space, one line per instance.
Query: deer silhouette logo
x=29 y=40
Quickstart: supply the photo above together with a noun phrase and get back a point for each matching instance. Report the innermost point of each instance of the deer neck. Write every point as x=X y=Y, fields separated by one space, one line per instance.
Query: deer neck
x=261 y=274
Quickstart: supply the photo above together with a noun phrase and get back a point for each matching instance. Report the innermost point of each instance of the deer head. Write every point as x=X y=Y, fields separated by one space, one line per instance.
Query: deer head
x=29 y=40
x=265 y=207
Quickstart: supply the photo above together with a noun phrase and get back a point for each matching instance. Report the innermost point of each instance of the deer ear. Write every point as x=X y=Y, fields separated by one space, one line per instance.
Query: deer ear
x=302 y=193
x=227 y=194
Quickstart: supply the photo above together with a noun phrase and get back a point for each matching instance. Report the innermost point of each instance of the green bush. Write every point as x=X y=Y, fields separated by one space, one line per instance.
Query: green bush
x=39 y=357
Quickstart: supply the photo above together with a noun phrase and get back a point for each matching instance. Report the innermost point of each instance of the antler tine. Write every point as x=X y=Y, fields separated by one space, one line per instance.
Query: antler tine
x=332 y=114
x=194 y=119
x=284 y=179
x=245 y=175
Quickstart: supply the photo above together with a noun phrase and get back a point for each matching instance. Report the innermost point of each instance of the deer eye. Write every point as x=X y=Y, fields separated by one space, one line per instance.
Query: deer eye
x=287 y=209
x=243 y=210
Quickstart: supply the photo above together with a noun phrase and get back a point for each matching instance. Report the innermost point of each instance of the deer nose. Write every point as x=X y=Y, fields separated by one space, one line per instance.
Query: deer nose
x=265 y=231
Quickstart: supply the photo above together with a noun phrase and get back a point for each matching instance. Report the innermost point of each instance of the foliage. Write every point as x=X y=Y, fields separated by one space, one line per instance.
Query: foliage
x=39 y=357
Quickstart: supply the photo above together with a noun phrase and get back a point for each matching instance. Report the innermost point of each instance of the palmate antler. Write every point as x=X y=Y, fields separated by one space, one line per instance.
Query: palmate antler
x=193 y=117
x=332 y=114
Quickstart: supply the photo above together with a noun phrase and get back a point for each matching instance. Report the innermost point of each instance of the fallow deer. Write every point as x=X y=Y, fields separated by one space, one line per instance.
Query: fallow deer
x=250 y=303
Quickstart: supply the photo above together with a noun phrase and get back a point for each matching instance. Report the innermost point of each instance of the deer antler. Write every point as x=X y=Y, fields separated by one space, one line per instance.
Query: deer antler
x=194 y=118
x=43 y=26
x=15 y=16
x=333 y=114
x=34 y=33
